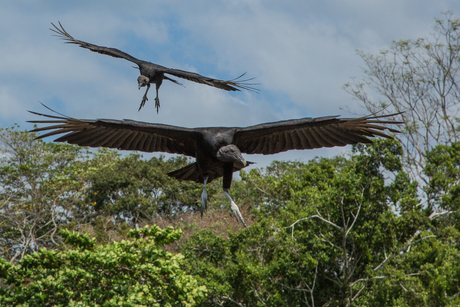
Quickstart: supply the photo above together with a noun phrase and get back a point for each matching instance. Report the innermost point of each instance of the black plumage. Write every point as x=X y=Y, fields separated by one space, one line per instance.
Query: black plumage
x=217 y=149
x=153 y=73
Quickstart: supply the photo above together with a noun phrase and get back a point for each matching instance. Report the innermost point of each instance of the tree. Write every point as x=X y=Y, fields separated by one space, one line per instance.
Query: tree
x=128 y=273
x=45 y=187
x=335 y=232
x=420 y=78
x=37 y=191
x=133 y=190
x=443 y=190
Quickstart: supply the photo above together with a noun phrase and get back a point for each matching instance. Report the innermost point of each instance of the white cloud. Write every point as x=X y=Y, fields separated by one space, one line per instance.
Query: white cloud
x=301 y=52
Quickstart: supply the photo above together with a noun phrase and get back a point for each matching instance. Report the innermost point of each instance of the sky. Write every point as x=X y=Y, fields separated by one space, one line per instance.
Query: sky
x=300 y=53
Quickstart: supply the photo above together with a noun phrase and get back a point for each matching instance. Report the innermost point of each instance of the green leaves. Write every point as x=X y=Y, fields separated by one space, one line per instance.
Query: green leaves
x=132 y=189
x=77 y=239
x=130 y=273
x=38 y=190
x=332 y=232
x=161 y=237
x=344 y=231
x=47 y=187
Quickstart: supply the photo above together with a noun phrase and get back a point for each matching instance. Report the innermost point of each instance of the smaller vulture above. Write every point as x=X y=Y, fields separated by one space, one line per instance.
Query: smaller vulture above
x=153 y=73
x=217 y=150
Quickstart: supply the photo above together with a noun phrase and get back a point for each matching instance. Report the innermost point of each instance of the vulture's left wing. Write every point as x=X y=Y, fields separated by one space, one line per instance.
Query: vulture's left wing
x=119 y=134
x=309 y=133
x=229 y=85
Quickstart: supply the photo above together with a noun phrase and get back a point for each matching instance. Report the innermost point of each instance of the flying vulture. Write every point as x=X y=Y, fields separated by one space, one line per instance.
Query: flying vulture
x=153 y=73
x=217 y=150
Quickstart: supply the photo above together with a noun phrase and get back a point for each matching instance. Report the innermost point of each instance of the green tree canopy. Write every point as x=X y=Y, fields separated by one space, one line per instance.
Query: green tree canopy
x=37 y=191
x=335 y=232
x=136 y=272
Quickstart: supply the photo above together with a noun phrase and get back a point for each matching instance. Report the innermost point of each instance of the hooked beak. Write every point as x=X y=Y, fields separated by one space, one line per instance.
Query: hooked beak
x=140 y=86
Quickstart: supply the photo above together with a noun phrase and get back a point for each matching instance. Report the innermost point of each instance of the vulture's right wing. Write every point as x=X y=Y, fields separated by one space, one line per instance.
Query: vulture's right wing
x=120 y=134
x=61 y=33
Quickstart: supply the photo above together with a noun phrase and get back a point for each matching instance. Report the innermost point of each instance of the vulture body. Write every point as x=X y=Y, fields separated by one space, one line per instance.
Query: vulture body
x=217 y=150
x=153 y=73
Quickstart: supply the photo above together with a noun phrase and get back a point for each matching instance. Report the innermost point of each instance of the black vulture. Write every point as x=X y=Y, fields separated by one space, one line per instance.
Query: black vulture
x=217 y=150
x=153 y=73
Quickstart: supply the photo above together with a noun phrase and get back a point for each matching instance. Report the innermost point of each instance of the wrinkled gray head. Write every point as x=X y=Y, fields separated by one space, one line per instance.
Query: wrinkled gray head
x=142 y=81
x=231 y=153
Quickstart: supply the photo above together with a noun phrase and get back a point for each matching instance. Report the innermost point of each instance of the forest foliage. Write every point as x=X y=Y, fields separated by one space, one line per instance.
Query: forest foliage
x=377 y=227
x=344 y=231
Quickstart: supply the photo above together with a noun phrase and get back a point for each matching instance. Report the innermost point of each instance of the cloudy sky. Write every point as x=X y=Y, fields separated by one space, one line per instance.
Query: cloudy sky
x=300 y=52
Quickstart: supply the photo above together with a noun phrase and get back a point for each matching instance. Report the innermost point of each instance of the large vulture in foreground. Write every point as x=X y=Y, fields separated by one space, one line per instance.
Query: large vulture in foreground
x=218 y=149
x=153 y=73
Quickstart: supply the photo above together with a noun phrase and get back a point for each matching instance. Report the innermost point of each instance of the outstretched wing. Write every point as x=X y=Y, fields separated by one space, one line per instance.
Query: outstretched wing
x=61 y=33
x=119 y=134
x=309 y=133
x=230 y=85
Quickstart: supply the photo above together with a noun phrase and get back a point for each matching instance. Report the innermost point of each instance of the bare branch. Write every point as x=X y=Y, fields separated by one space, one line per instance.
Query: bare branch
x=418 y=77
x=385 y=260
x=437 y=214
x=354 y=220
x=233 y=301
x=318 y=216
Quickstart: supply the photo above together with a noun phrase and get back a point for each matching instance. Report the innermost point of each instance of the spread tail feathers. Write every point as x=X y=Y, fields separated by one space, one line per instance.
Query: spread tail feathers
x=191 y=172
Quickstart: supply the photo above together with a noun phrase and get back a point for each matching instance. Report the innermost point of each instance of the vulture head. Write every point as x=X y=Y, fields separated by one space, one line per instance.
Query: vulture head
x=231 y=153
x=143 y=81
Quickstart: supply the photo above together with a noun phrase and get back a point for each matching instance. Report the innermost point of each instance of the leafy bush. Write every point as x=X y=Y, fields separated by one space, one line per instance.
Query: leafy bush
x=128 y=273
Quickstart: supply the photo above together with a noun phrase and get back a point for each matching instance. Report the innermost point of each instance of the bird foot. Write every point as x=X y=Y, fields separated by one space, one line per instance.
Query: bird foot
x=144 y=100
x=237 y=213
x=204 y=201
x=157 y=104
x=235 y=209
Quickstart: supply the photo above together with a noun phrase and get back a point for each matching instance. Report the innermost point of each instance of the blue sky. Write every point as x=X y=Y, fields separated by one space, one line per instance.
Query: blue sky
x=300 y=52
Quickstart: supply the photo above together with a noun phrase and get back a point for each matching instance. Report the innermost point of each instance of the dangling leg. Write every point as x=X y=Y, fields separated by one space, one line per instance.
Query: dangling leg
x=204 y=197
x=235 y=209
x=157 y=100
x=227 y=182
x=144 y=99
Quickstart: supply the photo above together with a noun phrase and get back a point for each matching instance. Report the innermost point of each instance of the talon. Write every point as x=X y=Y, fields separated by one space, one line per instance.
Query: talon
x=157 y=104
x=235 y=209
x=144 y=99
x=204 y=197
x=237 y=213
x=204 y=202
